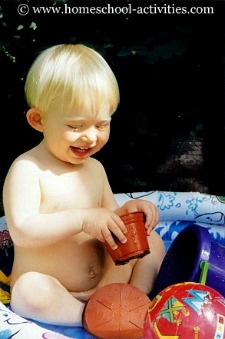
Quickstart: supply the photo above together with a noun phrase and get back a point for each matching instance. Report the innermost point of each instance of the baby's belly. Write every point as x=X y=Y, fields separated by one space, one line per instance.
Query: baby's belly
x=78 y=264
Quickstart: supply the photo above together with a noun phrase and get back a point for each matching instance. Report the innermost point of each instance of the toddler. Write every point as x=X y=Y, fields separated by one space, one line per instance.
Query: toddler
x=58 y=203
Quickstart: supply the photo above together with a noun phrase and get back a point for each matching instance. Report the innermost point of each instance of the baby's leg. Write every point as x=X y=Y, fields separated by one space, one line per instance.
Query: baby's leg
x=41 y=297
x=146 y=269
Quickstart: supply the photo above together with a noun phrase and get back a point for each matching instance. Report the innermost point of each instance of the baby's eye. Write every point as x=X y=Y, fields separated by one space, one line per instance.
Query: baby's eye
x=75 y=128
x=102 y=127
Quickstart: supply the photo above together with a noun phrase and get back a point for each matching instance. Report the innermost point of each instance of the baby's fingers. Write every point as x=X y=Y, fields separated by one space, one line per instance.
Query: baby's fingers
x=152 y=220
x=113 y=236
x=110 y=240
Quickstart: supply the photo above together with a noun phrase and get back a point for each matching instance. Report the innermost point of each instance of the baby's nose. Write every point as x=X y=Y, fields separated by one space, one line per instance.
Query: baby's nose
x=90 y=135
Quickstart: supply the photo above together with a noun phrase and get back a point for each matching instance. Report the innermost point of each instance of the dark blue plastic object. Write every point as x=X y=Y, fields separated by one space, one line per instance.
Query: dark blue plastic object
x=182 y=260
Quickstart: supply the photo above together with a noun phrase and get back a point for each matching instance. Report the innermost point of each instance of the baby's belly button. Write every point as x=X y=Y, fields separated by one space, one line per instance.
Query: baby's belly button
x=94 y=272
x=86 y=276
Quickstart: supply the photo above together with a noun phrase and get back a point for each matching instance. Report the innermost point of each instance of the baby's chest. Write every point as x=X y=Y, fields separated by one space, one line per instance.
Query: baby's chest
x=70 y=191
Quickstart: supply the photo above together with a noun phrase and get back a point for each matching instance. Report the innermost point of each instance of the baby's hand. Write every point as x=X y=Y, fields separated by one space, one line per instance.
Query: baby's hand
x=139 y=205
x=104 y=225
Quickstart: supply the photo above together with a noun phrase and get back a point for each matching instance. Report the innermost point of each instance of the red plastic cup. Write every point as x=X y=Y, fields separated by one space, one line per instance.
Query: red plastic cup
x=137 y=243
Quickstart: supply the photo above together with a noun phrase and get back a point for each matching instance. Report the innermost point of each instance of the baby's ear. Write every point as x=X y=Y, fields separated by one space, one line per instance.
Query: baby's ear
x=34 y=118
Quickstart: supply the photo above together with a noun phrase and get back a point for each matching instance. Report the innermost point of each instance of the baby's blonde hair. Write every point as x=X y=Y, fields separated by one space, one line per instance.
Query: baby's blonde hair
x=65 y=76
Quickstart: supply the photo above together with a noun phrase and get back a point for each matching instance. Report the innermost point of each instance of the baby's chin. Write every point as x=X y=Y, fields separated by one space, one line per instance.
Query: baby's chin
x=77 y=161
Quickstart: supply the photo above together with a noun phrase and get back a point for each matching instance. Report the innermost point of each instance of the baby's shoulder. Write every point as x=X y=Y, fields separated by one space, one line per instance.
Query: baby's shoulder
x=95 y=164
x=25 y=162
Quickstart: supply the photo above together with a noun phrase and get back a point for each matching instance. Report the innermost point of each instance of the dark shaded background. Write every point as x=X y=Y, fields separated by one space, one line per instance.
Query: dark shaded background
x=168 y=133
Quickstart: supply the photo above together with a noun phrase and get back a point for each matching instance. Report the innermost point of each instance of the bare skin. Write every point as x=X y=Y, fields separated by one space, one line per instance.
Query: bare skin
x=60 y=210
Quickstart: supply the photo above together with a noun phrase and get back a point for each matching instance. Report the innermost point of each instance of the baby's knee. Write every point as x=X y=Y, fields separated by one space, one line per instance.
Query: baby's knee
x=156 y=245
x=31 y=291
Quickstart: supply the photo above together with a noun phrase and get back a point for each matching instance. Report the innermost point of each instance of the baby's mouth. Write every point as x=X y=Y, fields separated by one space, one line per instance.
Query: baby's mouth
x=81 y=151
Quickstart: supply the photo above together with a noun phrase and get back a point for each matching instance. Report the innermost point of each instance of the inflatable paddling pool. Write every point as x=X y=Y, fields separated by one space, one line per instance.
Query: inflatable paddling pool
x=192 y=226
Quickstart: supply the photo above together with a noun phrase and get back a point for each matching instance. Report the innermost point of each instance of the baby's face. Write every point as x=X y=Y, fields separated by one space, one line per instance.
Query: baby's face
x=73 y=137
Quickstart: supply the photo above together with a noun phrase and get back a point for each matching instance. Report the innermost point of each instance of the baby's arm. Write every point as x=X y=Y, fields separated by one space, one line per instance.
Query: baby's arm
x=30 y=226
x=135 y=205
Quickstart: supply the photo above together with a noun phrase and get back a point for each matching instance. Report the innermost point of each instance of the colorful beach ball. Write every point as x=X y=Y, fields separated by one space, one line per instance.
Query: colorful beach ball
x=186 y=310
